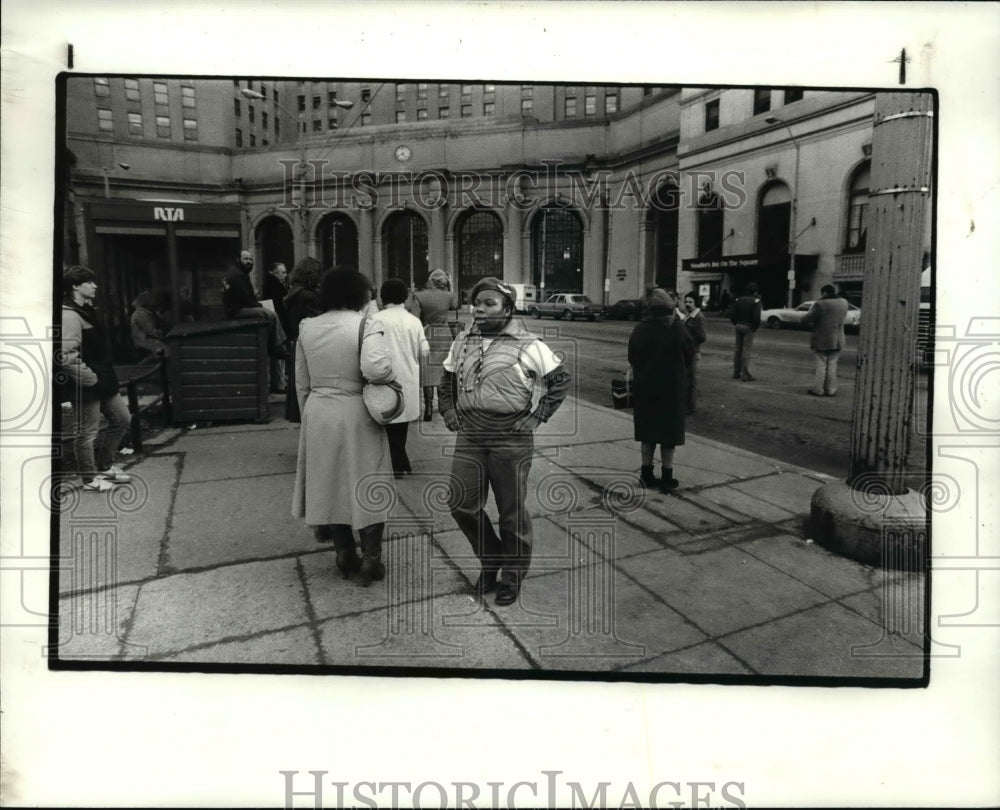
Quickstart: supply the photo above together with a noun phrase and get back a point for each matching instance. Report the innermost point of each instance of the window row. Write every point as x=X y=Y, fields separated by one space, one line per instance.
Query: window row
x=761 y=104
x=106 y=123
x=161 y=96
x=252 y=140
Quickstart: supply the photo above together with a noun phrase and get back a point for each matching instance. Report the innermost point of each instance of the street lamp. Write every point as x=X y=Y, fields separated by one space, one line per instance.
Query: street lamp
x=246 y=92
x=772 y=119
x=107 y=177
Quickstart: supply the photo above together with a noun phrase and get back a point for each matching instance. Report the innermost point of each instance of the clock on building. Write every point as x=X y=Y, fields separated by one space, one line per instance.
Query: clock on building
x=403 y=153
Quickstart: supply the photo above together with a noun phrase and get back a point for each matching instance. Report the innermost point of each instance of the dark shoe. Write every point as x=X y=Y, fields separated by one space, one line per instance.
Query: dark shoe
x=371 y=568
x=487 y=582
x=736 y=376
x=813 y=393
x=748 y=378
x=508 y=590
x=648 y=478
x=348 y=562
x=668 y=483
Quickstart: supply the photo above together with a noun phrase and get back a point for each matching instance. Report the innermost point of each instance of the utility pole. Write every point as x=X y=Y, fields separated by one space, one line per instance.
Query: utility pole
x=852 y=515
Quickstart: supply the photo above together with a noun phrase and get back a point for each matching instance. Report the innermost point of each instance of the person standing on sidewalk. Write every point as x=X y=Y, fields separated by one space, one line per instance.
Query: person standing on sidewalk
x=274 y=289
x=301 y=302
x=828 y=339
x=660 y=352
x=694 y=322
x=84 y=360
x=407 y=347
x=437 y=307
x=340 y=445
x=745 y=317
x=486 y=396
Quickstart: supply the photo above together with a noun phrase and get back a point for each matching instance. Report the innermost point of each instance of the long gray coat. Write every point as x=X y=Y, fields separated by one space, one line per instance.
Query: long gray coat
x=659 y=355
x=827 y=319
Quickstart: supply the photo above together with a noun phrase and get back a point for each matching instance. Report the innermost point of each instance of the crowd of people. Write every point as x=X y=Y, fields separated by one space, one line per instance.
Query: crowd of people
x=495 y=384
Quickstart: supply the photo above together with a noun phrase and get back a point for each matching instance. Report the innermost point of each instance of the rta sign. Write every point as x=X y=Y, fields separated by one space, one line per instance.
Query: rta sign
x=168 y=214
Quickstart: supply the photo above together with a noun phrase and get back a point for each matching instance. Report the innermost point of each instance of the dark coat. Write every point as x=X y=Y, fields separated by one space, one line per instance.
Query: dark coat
x=276 y=291
x=237 y=292
x=301 y=302
x=659 y=356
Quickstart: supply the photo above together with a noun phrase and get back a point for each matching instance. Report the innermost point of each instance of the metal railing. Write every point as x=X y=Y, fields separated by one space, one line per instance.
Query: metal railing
x=131 y=386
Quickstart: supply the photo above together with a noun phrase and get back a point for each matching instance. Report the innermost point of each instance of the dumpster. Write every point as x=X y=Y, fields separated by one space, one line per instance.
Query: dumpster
x=219 y=371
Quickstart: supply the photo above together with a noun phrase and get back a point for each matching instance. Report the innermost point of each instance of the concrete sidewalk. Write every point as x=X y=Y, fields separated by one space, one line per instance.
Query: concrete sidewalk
x=199 y=562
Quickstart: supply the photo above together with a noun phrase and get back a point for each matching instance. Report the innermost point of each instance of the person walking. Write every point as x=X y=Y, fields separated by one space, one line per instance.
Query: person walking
x=827 y=317
x=437 y=307
x=340 y=445
x=85 y=362
x=697 y=329
x=407 y=346
x=745 y=317
x=486 y=394
x=301 y=302
x=659 y=351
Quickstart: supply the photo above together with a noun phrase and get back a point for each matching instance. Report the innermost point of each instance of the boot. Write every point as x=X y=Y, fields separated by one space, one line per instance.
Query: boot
x=428 y=403
x=647 y=477
x=348 y=561
x=371 y=569
x=668 y=483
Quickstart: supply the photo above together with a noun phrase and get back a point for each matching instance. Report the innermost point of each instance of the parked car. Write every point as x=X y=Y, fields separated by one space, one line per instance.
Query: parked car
x=627 y=309
x=567 y=306
x=791 y=318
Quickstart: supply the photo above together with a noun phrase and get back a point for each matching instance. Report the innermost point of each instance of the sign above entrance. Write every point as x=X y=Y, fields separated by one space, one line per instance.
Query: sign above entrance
x=168 y=214
x=752 y=261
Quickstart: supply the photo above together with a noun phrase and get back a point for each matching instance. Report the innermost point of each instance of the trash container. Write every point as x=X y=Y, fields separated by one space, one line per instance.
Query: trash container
x=219 y=371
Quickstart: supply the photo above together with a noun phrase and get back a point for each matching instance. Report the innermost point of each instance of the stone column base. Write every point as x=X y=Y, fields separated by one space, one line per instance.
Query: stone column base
x=873 y=528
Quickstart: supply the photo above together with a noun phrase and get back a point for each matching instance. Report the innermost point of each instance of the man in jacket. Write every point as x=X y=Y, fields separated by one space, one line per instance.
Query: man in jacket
x=91 y=384
x=827 y=319
x=745 y=316
x=486 y=396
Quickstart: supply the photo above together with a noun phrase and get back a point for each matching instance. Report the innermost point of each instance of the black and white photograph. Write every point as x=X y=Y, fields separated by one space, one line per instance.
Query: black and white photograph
x=523 y=404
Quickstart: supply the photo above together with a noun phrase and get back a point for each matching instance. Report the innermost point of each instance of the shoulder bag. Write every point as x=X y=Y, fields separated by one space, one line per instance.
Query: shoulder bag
x=621 y=391
x=384 y=401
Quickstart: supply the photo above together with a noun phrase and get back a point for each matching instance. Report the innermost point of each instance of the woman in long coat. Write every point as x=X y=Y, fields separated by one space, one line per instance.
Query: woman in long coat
x=341 y=449
x=301 y=302
x=437 y=307
x=659 y=352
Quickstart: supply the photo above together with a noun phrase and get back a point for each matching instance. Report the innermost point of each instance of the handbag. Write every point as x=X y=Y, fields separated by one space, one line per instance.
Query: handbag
x=384 y=401
x=621 y=391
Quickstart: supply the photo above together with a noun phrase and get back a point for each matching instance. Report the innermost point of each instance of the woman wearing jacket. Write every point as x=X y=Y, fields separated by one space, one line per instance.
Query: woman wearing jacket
x=695 y=324
x=659 y=352
x=84 y=360
x=340 y=446
x=437 y=307
x=407 y=346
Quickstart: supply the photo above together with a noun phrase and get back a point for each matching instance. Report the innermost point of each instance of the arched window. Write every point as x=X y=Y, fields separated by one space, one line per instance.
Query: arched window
x=557 y=251
x=711 y=215
x=275 y=243
x=857 y=209
x=338 y=241
x=479 y=235
x=774 y=217
x=405 y=238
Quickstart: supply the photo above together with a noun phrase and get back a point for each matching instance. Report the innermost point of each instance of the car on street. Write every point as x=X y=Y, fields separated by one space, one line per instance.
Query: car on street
x=567 y=306
x=792 y=317
x=627 y=309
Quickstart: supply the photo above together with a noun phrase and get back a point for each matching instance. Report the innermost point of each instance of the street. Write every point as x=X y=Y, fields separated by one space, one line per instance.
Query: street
x=773 y=416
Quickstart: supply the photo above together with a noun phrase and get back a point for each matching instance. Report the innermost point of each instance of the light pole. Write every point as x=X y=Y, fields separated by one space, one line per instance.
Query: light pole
x=246 y=92
x=107 y=177
x=772 y=119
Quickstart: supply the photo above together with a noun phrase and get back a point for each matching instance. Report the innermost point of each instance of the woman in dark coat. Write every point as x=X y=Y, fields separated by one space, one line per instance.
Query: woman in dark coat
x=659 y=351
x=301 y=302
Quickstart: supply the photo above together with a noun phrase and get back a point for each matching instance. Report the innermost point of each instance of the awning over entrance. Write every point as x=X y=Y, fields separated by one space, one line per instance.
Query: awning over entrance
x=753 y=262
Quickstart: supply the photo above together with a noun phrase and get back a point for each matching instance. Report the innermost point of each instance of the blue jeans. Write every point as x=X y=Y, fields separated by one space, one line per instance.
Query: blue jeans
x=744 y=342
x=95 y=448
x=502 y=463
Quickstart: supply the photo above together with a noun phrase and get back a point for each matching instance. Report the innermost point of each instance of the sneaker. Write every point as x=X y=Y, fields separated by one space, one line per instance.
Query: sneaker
x=114 y=474
x=98 y=484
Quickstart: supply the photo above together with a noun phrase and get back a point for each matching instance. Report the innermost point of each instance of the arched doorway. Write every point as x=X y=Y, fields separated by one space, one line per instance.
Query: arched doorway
x=479 y=235
x=557 y=251
x=338 y=241
x=275 y=243
x=774 y=219
x=663 y=221
x=405 y=236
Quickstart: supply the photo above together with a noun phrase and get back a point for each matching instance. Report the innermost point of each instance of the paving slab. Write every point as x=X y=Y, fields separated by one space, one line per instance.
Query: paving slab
x=228 y=603
x=93 y=626
x=721 y=591
x=895 y=603
x=238 y=519
x=707 y=658
x=230 y=454
x=795 y=646
x=686 y=511
x=791 y=492
x=294 y=647
x=740 y=502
